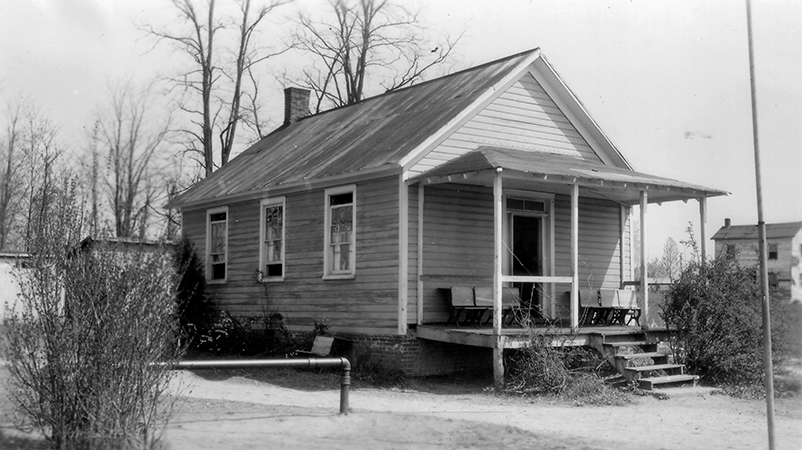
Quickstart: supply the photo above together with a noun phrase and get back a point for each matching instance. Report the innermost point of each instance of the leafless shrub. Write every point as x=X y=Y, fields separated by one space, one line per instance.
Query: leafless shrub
x=80 y=347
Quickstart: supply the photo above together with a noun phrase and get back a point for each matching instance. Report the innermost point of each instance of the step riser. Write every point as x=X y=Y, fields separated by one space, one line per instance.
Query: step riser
x=649 y=384
x=624 y=338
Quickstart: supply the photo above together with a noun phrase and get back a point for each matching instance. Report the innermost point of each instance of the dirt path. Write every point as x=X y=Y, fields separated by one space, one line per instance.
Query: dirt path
x=239 y=412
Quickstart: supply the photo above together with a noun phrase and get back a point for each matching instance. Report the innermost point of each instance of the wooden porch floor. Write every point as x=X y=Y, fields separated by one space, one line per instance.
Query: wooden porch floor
x=520 y=337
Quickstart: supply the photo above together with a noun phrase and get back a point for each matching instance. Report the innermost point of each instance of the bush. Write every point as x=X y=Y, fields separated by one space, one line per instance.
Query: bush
x=715 y=309
x=81 y=345
x=195 y=311
x=265 y=334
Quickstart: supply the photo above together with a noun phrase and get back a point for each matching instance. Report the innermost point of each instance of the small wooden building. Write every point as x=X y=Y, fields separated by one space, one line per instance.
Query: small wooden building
x=784 y=252
x=362 y=215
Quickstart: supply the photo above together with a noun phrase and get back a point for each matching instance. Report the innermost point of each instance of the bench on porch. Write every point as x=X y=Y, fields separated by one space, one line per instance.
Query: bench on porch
x=609 y=307
x=476 y=301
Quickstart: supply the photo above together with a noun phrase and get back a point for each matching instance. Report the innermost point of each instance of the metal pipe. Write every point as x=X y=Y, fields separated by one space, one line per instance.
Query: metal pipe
x=768 y=370
x=343 y=363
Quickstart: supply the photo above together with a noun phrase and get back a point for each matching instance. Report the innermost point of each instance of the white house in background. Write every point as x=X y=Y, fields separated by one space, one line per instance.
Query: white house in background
x=784 y=250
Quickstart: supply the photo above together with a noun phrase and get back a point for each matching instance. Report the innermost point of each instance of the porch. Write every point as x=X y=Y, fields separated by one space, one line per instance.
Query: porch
x=516 y=338
x=546 y=225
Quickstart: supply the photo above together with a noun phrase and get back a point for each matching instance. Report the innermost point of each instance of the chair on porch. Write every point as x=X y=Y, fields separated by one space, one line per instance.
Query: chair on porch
x=628 y=303
x=592 y=312
x=461 y=299
x=510 y=305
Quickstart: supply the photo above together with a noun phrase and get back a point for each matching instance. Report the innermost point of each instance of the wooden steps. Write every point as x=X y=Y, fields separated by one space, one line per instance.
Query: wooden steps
x=629 y=356
x=637 y=359
x=651 y=382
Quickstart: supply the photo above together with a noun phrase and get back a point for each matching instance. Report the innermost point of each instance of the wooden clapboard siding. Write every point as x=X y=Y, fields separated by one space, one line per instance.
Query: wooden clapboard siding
x=458 y=242
x=366 y=303
x=522 y=117
x=599 y=236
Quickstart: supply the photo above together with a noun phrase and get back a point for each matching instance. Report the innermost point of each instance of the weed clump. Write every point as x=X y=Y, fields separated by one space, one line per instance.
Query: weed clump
x=552 y=367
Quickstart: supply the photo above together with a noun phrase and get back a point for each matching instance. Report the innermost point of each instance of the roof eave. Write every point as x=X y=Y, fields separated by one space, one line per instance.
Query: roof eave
x=289 y=188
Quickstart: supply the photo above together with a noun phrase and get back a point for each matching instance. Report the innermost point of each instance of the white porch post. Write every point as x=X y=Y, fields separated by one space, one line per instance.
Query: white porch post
x=574 y=256
x=498 y=348
x=420 y=253
x=703 y=227
x=622 y=261
x=403 y=255
x=644 y=272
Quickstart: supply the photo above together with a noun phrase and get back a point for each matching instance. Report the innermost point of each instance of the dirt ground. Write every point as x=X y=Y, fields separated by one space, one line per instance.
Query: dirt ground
x=239 y=410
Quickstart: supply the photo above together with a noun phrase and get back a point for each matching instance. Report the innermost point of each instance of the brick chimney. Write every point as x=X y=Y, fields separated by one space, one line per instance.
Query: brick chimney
x=296 y=105
x=727 y=222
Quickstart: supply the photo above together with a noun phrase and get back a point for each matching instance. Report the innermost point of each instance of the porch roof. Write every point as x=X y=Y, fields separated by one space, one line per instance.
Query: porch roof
x=555 y=173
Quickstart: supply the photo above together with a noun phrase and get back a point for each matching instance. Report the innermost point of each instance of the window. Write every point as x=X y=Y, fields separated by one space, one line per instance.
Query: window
x=773 y=282
x=340 y=237
x=526 y=205
x=271 y=253
x=216 y=243
x=772 y=251
x=731 y=250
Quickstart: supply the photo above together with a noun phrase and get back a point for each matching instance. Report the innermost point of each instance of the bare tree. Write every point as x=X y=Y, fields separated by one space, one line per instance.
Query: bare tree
x=41 y=154
x=671 y=261
x=129 y=136
x=216 y=76
x=11 y=183
x=32 y=173
x=366 y=39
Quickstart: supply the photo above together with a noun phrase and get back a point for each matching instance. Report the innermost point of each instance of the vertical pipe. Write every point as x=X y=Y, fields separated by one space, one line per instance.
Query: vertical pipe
x=498 y=347
x=345 y=384
x=761 y=231
x=574 y=256
x=644 y=264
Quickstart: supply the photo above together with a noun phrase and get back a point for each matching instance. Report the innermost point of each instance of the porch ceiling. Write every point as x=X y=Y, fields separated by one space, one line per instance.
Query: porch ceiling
x=549 y=172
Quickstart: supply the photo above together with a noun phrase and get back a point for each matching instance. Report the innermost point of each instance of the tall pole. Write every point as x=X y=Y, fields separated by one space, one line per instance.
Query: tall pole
x=761 y=235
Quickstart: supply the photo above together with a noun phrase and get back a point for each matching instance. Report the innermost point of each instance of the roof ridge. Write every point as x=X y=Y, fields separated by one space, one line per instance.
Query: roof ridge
x=423 y=83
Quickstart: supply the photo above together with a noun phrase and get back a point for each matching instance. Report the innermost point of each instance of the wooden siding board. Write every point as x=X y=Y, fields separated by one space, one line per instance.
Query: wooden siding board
x=369 y=301
x=522 y=117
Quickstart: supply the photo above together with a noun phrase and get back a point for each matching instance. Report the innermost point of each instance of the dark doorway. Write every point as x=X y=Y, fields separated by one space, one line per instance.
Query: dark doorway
x=527 y=259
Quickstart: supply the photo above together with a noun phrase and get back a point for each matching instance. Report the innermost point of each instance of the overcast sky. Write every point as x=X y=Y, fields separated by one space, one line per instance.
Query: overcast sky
x=667 y=81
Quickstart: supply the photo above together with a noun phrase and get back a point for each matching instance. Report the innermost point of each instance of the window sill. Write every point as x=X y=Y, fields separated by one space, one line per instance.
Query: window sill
x=272 y=280
x=223 y=281
x=340 y=276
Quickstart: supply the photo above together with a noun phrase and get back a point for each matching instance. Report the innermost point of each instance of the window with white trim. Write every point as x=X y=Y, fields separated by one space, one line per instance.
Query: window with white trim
x=340 y=233
x=216 y=244
x=271 y=253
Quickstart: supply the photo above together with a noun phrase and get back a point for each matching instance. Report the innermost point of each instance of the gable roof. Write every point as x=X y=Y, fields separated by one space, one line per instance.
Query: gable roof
x=390 y=133
x=371 y=134
x=773 y=231
x=554 y=172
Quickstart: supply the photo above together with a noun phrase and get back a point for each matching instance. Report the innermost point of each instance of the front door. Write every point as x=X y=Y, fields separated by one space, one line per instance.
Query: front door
x=527 y=259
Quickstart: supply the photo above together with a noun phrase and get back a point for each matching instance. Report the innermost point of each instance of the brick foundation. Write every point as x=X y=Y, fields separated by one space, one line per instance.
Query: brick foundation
x=416 y=357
